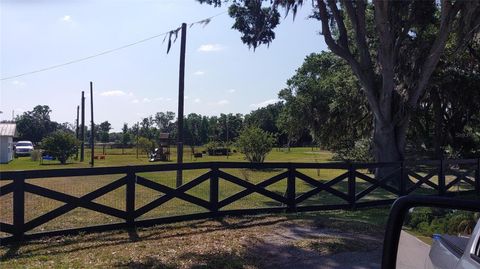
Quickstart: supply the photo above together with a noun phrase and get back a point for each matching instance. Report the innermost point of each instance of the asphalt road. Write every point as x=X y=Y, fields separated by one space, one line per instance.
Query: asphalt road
x=412 y=253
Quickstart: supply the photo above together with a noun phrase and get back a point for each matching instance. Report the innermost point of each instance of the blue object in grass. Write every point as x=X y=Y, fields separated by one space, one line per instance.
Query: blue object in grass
x=48 y=158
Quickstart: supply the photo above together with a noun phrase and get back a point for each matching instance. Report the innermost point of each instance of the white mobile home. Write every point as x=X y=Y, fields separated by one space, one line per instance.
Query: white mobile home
x=7 y=132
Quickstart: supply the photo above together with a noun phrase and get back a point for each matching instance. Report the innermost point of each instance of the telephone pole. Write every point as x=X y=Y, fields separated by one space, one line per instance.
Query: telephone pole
x=76 y=129
x=82 y=129
x=181 y=90
x=92 y=131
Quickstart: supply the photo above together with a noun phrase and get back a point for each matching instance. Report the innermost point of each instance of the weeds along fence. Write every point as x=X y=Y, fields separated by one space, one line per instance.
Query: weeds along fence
x=66 y=201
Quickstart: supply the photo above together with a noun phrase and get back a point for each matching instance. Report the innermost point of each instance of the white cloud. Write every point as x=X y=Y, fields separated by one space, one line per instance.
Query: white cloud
x=199 y=73
x=231 y=91
x=115 y=93
x=135 y=101
x=210 y=48
x=67 y=18
x=146 y=100
x=197 y=100
x=223 y=102
x=265 y=103
x=168 y=99
x=159 y=99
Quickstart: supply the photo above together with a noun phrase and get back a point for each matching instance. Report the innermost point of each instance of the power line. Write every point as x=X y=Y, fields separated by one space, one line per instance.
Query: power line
x=203 y=22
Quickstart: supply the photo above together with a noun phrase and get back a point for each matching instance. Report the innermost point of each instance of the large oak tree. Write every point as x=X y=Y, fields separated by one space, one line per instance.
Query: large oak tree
x=393 y=60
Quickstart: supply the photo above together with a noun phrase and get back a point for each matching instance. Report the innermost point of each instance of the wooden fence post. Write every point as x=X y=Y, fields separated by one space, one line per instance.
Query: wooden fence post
x=291 y=192
x=477 y=177
x=130 y=196
x=403 y=179
x=441 y=178
x=214 y=189
x=351 y=186
x=19 y=208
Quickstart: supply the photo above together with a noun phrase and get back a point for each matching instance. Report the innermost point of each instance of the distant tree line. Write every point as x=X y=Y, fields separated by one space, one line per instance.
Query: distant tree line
x=322 y=105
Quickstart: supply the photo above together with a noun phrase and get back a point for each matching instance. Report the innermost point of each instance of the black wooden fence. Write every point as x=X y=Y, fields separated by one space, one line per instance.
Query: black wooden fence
x=442 y=176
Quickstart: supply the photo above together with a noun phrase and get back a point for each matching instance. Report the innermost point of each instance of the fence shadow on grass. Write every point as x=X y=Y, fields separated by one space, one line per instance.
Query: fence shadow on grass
x=70 y=244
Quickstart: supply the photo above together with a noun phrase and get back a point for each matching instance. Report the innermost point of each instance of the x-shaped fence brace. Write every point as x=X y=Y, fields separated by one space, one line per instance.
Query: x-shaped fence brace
x=170 y=193
x=459 y=176
x=421 y=180
x=376 y=183
x=71 y=202
x=251 y=188
x=319 y=186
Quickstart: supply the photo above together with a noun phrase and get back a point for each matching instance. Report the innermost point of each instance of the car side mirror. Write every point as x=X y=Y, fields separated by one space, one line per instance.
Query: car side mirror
x=404 y=227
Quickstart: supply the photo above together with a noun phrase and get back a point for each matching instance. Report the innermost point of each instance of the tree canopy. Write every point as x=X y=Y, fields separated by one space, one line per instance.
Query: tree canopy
x=392 y=48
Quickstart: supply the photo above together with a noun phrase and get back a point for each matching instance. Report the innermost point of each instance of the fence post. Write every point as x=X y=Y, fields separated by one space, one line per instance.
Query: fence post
x=441 y=178
x=351 y=186
x=477 y=177
x=214 y=189
x=19 y=208
x=403 y=179
x=291 y=205
x=130 y=196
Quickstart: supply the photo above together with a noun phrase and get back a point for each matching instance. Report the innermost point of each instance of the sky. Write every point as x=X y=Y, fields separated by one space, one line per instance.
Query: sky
x=222 y=75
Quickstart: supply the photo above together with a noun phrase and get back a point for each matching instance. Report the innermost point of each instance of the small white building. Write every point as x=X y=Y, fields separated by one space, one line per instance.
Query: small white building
x=7 y=132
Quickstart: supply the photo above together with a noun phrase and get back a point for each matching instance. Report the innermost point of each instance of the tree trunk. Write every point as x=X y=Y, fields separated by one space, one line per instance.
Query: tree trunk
x=389 y=143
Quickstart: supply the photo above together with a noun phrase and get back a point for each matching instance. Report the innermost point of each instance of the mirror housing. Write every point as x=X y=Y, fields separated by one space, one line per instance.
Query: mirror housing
x=397 y=216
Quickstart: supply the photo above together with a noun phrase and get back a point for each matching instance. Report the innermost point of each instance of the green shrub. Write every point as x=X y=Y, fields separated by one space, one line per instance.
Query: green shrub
x=36 y=155
x=255 y=144
x=60 y=145
x=146 y=145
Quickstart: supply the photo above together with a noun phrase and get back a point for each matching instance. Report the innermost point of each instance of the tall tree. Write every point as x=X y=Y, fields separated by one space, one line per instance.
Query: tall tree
x=393 y=60
x=36 y=124
x=323 y=96
x=103 y=131
x=164 y=121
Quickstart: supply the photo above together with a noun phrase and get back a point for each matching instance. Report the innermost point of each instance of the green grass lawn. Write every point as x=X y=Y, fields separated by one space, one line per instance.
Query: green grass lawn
x=114 y=157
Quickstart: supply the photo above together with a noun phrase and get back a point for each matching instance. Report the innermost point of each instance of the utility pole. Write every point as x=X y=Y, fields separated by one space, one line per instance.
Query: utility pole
x=82 y=129
x=92 y=131
x=138 y=127
x=181 y=90
x=76 y=129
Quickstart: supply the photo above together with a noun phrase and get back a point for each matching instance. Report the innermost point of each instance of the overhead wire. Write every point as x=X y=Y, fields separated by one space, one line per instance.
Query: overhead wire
x=164 y=34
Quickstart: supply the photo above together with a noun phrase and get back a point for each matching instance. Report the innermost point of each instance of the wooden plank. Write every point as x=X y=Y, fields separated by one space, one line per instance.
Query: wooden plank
x=214 y=190
x=248 y=185
x=460 y=161
x=7 y=228
x=247 y=191
x=291 y=189
x=19 y=208
x=130 y=198
x=4 y=190
x=69 y=199
x=69 y=207
x=321 y=187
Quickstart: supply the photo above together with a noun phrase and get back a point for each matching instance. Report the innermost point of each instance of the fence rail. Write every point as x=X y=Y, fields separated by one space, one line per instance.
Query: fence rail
x=401 y=178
